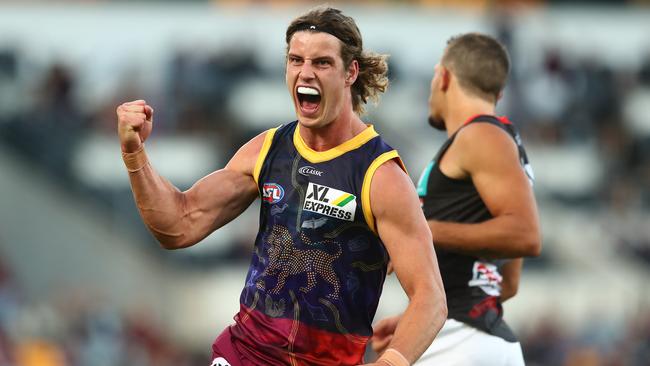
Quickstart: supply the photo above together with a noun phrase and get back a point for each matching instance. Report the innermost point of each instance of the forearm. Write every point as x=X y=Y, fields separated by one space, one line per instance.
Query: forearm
x=507 y=293
x=499 y=237
x=160 y=203
x=419 y=325
x=511 y=272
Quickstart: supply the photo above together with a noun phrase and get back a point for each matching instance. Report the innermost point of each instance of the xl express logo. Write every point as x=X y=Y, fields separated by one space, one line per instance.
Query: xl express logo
x=272 y=192
x=330 y=202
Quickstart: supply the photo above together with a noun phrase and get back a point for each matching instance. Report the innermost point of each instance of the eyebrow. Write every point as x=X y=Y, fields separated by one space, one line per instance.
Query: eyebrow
x=317 y=58
x=323 y=58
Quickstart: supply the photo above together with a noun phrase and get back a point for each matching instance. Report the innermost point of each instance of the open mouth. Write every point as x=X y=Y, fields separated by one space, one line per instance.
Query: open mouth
x=308 y=99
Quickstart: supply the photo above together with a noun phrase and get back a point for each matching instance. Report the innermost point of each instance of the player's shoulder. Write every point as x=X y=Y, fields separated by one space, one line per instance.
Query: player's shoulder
x=484 y=145
x=483 y=134
x=254 y=145
x=245 y=159
x=391 y=174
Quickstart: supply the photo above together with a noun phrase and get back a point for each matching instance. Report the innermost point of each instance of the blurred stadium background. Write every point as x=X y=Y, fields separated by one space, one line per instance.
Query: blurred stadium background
x=83 y=283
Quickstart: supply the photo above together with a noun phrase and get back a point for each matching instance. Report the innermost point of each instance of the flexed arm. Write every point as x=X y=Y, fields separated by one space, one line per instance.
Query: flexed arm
x=403 y=229
x=180 y=219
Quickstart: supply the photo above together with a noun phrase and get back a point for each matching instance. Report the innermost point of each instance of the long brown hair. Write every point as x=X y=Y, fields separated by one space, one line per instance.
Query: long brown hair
x=372 y=79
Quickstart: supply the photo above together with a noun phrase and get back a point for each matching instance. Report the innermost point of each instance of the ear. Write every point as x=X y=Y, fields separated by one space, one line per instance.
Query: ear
x=352 y=73
x=445 y=78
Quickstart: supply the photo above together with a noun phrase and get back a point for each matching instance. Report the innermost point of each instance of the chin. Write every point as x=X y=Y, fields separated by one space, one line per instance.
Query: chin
x=311 y=122
x=437 y=123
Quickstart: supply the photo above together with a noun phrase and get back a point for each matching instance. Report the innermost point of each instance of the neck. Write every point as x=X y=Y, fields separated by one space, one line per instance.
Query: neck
x=460 y=110
x=343 y=128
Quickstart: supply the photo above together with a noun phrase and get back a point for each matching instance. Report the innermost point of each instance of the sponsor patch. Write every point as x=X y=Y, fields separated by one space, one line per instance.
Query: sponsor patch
x=487 y=277
x=310 y=170
x=272 y=192
x=330 y=202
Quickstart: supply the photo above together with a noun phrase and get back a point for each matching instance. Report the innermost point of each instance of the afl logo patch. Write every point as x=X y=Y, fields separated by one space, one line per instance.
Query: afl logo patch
x=272 y=192
x=310 y=170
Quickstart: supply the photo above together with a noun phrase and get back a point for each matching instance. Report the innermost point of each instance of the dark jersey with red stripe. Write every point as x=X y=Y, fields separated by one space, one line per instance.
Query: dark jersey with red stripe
x=318 y=267
x=472 y=284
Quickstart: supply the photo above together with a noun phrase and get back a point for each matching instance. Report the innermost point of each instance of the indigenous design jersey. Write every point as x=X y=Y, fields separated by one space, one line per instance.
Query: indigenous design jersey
x=472 y=285
x=318 y=266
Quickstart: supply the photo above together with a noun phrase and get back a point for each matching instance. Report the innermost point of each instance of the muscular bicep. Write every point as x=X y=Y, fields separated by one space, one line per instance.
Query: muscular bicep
x=491 y=159
x=403 y=229
x=223 y=195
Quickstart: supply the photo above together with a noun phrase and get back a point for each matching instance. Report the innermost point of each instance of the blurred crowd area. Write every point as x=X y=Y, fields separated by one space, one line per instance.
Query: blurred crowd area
x=75 y=330
x=586 y=123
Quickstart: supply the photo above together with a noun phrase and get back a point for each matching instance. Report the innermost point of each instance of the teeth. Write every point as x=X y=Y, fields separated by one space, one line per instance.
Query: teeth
x=308 y=91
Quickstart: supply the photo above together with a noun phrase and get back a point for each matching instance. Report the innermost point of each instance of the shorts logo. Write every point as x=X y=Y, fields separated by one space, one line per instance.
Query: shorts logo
x=330 y=202
x=220 y=361
x=310 y=170
x=272 y=192
x=487 y=277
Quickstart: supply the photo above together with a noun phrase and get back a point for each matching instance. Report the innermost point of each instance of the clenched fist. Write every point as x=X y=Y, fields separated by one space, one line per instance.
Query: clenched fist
x=134 y=123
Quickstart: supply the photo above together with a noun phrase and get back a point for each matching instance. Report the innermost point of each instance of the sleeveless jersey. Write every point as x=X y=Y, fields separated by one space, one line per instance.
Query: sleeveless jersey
x=472 y=284
x=318 y=266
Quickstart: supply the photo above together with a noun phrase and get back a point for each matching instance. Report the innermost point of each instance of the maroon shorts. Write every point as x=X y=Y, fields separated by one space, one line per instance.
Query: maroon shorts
x=224 y=352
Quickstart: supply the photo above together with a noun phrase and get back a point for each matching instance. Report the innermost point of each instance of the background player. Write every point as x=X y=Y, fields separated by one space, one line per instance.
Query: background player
x=478 y=200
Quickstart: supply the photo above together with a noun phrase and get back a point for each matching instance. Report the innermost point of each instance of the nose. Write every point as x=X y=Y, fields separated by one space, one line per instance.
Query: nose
x=307 y=71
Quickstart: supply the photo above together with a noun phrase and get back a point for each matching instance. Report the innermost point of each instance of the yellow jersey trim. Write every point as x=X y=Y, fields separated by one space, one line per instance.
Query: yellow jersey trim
x=314 y=156
x=367 y=180
x=266 y=146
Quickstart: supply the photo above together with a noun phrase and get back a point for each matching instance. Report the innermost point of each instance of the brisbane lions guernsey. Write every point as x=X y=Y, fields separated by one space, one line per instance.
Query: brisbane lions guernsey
x=318 y=267
x=472 y=285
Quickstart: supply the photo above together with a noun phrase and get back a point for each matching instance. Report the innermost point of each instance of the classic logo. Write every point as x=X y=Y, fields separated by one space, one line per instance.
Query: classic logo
x=310 y=170
x=330 y=202
x=487 y=277
x=272 y=192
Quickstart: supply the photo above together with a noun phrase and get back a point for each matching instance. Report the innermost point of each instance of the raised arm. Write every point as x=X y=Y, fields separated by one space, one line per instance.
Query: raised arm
x=403 y=229
x=180 y=219
x=489 y=156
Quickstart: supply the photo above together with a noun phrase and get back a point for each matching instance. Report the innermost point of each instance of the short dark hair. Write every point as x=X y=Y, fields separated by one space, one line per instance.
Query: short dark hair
x=480 y=62
x=372 y=78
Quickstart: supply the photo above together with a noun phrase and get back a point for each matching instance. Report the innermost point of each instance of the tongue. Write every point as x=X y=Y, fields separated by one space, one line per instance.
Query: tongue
x=309 y=105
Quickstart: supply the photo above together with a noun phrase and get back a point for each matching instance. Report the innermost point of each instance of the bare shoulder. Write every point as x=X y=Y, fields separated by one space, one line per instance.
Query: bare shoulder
x=484 y=136
x=388 y=171
x=485 y=142
x=391 y=185
x=245 y=158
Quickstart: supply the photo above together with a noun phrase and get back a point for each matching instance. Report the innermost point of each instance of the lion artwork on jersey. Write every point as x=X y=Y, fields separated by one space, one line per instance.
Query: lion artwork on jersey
x=287 y=260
